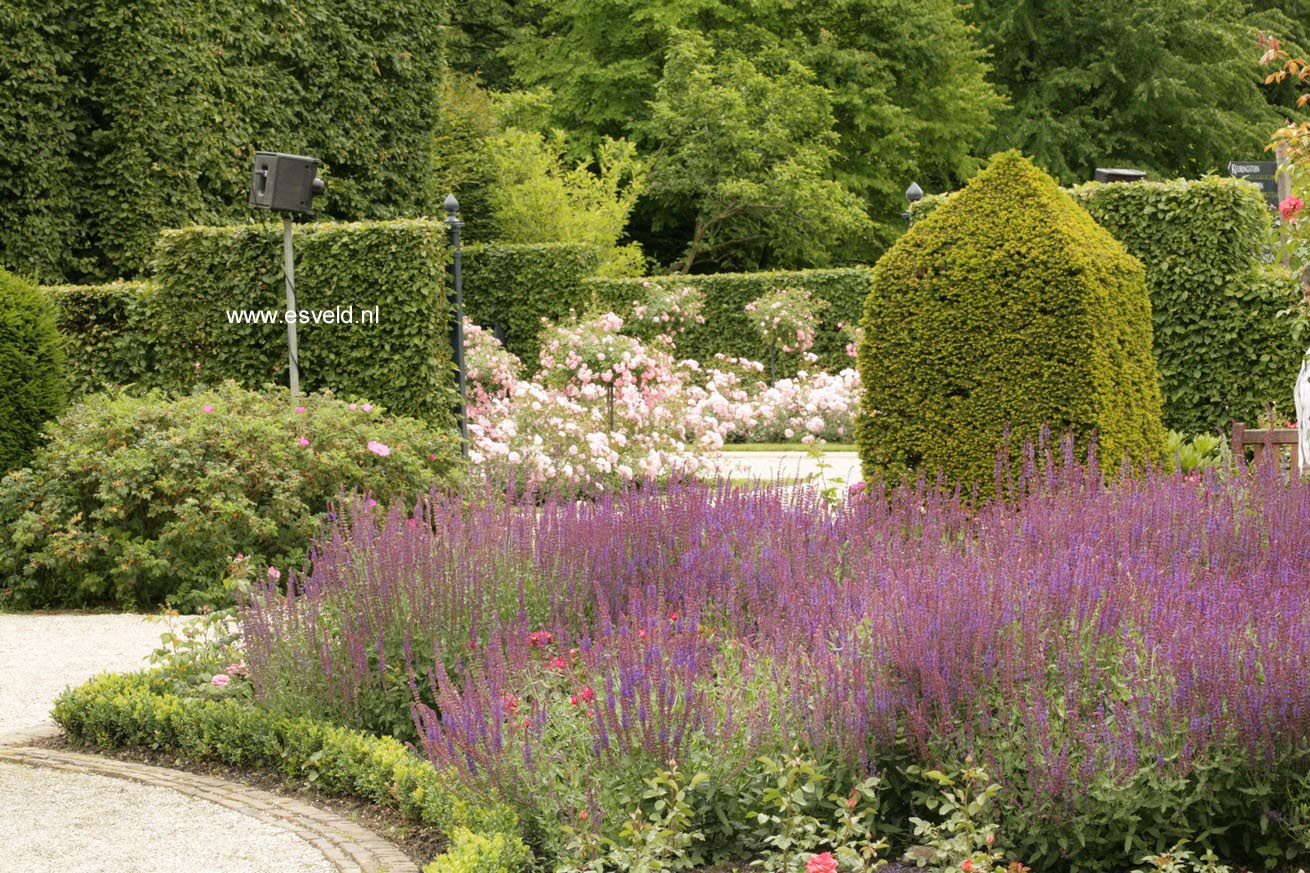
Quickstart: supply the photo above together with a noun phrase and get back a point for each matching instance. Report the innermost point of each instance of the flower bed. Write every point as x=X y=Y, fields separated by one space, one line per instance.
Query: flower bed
x=703 y=674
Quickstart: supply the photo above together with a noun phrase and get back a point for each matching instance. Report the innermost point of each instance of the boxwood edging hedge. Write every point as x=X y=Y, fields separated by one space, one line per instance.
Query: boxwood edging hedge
x=134 y=710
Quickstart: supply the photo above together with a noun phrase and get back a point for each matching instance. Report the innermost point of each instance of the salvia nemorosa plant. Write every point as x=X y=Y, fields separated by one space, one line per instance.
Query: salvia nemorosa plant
x=1075 y=632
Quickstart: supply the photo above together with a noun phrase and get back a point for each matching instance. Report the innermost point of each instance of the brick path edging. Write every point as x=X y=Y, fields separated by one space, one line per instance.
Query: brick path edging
x=351 y=848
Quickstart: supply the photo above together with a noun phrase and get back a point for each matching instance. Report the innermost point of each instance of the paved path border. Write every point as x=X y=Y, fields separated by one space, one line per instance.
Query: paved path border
x=350 y=847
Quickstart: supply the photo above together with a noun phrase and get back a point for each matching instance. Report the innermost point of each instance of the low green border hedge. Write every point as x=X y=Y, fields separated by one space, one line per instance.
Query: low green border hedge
x=134 y=710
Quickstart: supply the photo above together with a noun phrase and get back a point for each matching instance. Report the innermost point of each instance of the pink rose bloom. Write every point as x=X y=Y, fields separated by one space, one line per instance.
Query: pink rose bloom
x=304 y=442
x=367 y=407
x=220 y=680
x=274 y=573
x=354 y=406
x=823 y=862
x=300 y=410
x=208 y=408
x=1291 y=208
x=379 y=449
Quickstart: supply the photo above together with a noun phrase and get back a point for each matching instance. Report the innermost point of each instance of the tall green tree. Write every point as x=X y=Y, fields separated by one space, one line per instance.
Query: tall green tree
x=1169 y=86
x=746 y=148
x=905 y=81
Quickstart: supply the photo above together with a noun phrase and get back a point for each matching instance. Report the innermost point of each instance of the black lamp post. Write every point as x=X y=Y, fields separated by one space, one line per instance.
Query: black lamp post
x=913 y=195
x=454 y=225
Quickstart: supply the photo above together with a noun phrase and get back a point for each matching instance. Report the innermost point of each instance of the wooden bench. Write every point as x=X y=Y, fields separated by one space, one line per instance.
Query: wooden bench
x=1278 y=438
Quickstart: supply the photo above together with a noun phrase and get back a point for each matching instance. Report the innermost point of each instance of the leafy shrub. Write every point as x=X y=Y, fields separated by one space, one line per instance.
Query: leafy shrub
x=108 y=152
x=115 y=332
x=509 y=289
x=728 y=328
x=1221 y=349
x=1007 y=308
x=137 y=711
x=137 y=500
x=401 y=361
x=1091 y=645
x=33 y=387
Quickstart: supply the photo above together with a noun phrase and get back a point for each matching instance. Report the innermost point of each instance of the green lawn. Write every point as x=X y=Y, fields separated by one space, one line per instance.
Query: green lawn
x=785 y=447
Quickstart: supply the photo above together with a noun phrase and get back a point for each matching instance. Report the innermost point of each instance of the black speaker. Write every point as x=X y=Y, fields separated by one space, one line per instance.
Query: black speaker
x=285 y=183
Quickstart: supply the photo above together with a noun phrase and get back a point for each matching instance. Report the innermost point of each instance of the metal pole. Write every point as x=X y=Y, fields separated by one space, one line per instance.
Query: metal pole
x=289 y=261
x=457 y=328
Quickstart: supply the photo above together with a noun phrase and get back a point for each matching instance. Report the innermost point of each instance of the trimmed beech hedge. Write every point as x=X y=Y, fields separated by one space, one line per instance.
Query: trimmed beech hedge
x=508 y=289
x=1007 y=308
x=403 y=361
x=122 y=117
x=728 y=330
x=1222 y=351
x=137 y=711
x=110 y=333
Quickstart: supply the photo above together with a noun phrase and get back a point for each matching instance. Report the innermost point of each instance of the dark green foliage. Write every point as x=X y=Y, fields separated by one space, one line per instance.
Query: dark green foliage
x=137 y=711
x=33 y=385
x=111 y=333
x=1169 y=86
x=1007 y=307
x=904 y=81
x=1221 y=349
x=402 y=361
x=39 y=228
x=508 y=289
x=138 y=500
x=128 y=117
x=727 y=328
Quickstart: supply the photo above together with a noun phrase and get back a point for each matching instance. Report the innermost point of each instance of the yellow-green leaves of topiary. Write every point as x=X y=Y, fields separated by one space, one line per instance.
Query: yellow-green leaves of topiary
x=1008 y=306
x=32 y=383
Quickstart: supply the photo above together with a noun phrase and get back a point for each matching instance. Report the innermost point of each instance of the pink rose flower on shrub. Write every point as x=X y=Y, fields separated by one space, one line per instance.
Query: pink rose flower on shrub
x=823 y=862
x=220 y=680
x=379 y=449
x=1291 y=208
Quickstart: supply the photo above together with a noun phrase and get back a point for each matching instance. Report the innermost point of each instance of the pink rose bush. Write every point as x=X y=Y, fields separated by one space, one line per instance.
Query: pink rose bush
x=611 y=402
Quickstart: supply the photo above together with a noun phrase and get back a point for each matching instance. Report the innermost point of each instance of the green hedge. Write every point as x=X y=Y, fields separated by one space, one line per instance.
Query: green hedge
x=33 y=385
x=403 y=361
x=137 y=711
x=508 y=289
x=1222 y=351
x=1007 y=307
x=121 y=117
x=110 y=333
x=728 y=330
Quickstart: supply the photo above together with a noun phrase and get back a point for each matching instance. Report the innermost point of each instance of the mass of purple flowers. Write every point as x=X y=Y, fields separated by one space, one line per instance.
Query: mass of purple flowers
x=1077 y=626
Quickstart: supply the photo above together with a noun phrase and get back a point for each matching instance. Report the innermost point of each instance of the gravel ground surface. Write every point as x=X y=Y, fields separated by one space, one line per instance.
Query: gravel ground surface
x=40 y=655
x=83 y=823
x=843 y=468
x=59 y=822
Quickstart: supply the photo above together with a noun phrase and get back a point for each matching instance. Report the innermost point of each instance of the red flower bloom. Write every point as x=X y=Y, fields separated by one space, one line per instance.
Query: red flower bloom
x=558 y=663
x=1291 y=208
x=823 y=862
x=967 y=866
x=539 y=638
x=585 y=694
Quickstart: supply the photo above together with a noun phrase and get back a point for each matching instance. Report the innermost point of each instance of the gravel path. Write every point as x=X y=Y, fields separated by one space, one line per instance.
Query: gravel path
x=68 y=822
x=59 y=822
x=40 y=655
x=842 y=468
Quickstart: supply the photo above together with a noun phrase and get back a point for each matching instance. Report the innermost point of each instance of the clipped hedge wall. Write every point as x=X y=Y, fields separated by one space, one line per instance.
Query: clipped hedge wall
x=1222 y=351
x=508 y=289
x=1007 y=307
x=727 y=328
x=137 y=711
x=403 y=361
x=111 y=335
x=122 y=117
